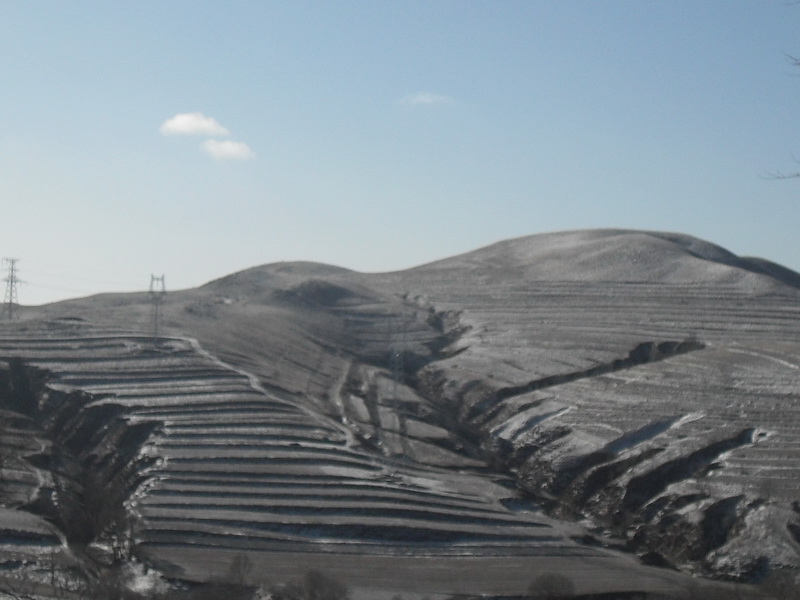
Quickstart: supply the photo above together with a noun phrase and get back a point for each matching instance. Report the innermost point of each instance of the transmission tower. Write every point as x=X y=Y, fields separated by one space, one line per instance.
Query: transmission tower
x=11 y=302
x=158 y=292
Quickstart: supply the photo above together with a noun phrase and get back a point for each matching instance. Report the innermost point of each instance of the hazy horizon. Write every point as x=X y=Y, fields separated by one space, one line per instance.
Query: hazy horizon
x=198 y=139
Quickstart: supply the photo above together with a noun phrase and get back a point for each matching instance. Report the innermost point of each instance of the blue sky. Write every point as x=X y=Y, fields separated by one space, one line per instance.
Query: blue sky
x=381 y=135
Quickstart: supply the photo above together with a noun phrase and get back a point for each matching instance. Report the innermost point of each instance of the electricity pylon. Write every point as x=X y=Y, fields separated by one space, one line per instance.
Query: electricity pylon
x=158 y=291
x=11 y=303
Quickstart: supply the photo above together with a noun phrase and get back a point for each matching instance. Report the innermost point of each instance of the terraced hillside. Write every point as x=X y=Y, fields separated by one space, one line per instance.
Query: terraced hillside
x=648 y=381
x=634 y=384
x=196 y=464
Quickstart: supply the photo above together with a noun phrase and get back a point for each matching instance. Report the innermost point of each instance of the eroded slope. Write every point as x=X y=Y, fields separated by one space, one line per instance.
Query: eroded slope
x=647 y=382
x=200 y=464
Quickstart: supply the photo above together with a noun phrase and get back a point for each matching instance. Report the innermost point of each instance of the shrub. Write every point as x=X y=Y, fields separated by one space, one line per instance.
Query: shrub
x=314 y=586
x=551 y=586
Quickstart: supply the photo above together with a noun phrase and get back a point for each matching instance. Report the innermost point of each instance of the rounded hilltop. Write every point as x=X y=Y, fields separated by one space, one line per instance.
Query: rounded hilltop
x=619 y=255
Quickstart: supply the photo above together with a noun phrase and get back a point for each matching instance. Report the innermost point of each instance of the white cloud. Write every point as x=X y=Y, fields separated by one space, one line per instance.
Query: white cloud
x=195 y=123
x=426 y=99
x=227 y=150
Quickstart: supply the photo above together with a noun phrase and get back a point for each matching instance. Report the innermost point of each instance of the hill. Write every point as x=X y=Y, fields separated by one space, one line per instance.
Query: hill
x=535 y=405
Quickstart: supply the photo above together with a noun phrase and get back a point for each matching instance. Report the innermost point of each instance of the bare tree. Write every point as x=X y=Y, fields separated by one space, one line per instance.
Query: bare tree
x=240 y=569
x=314 y=586
x=795 y=62
x=551 y=586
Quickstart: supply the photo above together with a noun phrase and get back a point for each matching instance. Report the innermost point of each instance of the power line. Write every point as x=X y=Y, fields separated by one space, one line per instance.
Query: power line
x=11 y=302
x=46 y=275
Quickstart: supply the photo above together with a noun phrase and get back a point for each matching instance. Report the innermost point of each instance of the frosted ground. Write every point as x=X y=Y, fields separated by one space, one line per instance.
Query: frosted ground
x=534 y=406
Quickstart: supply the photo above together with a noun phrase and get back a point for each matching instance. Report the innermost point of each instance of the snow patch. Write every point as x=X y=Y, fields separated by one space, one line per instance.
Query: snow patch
x=515 y=426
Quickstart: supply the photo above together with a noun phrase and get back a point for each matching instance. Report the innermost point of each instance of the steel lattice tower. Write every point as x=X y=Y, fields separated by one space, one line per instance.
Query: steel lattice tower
x=158 y=291
x=11 y=302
